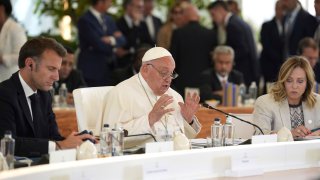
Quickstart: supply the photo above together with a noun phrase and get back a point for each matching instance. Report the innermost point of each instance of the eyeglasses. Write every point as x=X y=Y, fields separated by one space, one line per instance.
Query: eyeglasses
x=172 y=75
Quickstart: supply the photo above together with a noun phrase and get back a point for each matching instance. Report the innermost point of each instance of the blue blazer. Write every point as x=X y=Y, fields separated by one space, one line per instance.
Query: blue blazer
x=96 y=58
x=15 y=116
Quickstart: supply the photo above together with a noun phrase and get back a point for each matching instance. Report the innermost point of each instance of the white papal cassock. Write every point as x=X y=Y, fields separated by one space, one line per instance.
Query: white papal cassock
x=128 y=104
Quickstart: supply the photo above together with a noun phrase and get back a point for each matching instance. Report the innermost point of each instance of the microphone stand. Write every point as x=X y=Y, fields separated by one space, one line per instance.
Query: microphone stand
x=126 y=134
x=225 y=113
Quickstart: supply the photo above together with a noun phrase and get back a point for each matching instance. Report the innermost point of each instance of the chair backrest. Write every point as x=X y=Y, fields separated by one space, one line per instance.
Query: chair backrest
x=242 y=129
x=89 y=106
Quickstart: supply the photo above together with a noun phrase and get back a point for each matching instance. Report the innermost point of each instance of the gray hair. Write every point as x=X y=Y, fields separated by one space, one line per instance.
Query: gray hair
x=223 y=50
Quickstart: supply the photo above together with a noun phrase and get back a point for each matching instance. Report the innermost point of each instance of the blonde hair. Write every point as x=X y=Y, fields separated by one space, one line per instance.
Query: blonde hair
x=278 y=90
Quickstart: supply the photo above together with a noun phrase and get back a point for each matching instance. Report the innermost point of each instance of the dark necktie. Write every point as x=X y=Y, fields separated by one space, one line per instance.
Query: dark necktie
x=36 y=113
x=103 y=23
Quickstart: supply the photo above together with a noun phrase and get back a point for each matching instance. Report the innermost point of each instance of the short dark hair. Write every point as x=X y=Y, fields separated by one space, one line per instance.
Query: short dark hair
x=7 y=6
x=69 y=49
x=126 y=3
x=218 y=3
x=35 y=48
x=307 y=42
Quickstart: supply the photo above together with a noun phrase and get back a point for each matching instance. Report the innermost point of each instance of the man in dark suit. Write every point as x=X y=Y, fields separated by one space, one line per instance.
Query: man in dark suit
x=25 y=103
x=71 y=77
x=98 y=37
x=298 y=24
x=309 y=49
x=122 y=74
x=271 y=38
x=240 y=37
x=190 y=47
x=153 y=23
x=221 y=73
x=134 y=29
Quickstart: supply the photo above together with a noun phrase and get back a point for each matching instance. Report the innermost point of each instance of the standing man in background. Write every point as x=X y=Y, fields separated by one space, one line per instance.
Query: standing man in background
x=239 y=36
x=153 y=23
x=98 y=37
x=12 y=37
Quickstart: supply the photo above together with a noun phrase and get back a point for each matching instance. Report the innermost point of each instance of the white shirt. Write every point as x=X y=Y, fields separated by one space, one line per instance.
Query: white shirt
x=149 y=22
x=12 y=37
x=28 y=92
x=128 y=104
x=222 y=78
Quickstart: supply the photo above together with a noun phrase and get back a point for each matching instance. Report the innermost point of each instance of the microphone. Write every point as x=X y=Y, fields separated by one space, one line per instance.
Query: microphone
x=225 y=113
x=126 y=134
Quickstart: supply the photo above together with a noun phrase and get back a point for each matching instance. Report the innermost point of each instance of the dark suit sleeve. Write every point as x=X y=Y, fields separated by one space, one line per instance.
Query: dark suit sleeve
x=120 y=41
x=237 y=41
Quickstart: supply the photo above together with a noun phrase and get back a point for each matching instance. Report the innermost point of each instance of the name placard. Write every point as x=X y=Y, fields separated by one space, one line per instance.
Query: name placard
x=261 y=139
x=62 y=156
x=156 y=170
x=155 y=147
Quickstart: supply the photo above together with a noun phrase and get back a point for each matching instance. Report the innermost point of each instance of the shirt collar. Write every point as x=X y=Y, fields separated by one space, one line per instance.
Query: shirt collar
x=295 y=12
x=128 y=20
x=221 y=78
x=96 y=14
x=226 y=20
x=26 y=88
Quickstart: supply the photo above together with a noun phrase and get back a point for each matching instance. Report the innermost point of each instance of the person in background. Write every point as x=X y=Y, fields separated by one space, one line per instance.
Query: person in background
x=190 y=48
x=298 y=24
x=145 y=103
x=175 y=20
x=213 y=79
x=309 y=49
x=317 y=32
x=25 y=103
x=70 y=76
x=271 y=38
x=135 y=30
x=234 y=7
x=98 y=39
x=153 y=23
x=122 y=74
x=236 y=33
x=12 y=37
x=291 y=102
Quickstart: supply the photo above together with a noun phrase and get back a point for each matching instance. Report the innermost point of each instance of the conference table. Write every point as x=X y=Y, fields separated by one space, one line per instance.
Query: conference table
x=67 y=120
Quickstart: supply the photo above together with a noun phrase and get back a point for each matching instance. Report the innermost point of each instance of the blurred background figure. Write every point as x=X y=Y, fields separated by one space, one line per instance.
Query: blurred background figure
x=298 y=24
x=12 y=37
x=317 y=10
x=122 y=74
x=234 y=7
x=239 y=36
x=190 y=47
x=271 y=38
x=153 y=23
x=68 y=75
x=98 y=36
x=135 y=30
x=175 y=20
x=213 y=79
x=310 y=50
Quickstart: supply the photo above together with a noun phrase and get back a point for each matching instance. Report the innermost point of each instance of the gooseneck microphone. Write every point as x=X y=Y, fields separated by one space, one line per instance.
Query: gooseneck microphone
x=225 y=113
x=126 y=134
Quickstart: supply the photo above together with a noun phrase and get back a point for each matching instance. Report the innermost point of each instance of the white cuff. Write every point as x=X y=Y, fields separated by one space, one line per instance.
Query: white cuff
x=52 y=146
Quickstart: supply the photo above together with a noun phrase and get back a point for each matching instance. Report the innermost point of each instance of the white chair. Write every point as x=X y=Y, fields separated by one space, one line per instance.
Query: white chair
x=89 y=107
x=242 y=129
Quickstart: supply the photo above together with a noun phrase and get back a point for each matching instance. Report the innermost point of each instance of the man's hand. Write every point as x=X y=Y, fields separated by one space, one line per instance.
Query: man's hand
x=106 y=39
x=190 y=106
x=300 y=131
x=120 y=52
x=159 y=110
x=74 y=140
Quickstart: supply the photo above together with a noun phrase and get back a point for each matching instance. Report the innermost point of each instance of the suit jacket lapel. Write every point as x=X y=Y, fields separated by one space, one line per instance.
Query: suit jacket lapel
x=285 y=113
x=23 y=101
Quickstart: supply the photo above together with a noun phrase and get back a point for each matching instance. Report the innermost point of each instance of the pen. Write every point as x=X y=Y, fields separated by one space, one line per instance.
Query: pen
x=316 y=129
